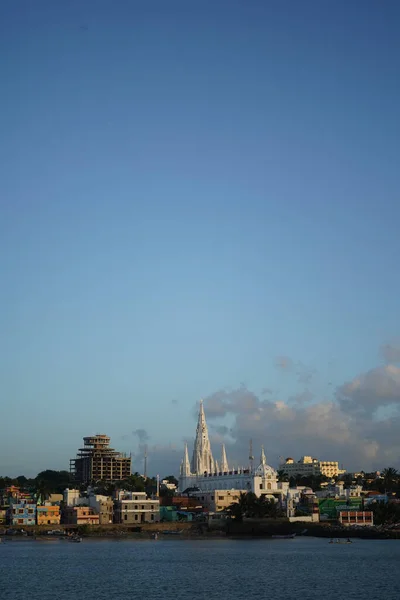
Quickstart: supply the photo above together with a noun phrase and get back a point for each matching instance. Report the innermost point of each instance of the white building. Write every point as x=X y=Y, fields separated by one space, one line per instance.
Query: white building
x=135 y=507
x=204 y=473
x=308 y=466
x=71 y=497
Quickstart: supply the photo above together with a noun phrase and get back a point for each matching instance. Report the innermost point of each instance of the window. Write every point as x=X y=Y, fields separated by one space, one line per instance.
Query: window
x=152 y=507
x=261 y=486
x=152 y=517
x=136 y=517
x=136 y=507
x=20 y=520
x=220 y=497
x=30 y=511
x=142 y=507
x=125 y=517
x=21 y=511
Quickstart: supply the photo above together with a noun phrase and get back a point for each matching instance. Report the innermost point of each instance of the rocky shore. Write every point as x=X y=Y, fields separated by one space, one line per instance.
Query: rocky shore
x=247 y=528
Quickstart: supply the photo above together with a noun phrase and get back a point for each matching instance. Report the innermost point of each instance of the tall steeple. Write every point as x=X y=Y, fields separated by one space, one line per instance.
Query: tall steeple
x=224 y=461
x=263 y=458
x=185 y=466
x=202 y=456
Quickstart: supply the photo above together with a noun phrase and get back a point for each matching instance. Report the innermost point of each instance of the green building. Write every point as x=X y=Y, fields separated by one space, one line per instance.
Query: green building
x=330 y=507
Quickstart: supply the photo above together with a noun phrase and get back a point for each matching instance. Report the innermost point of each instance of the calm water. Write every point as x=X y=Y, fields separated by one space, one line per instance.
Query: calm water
x=304 y=568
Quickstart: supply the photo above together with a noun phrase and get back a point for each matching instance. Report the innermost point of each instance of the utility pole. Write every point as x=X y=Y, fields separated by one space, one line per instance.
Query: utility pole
x=145 y=462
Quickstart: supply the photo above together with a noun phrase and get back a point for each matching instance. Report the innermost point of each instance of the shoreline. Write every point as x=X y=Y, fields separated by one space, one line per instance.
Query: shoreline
x=186 y=531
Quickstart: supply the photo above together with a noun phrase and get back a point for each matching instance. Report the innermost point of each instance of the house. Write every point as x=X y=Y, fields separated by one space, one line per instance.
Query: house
x=80 y=515
x=22 y=512
x=48 y=514
x=134 y=508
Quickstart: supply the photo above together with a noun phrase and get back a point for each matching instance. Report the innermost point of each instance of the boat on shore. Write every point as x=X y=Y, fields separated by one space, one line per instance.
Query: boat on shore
x=289 y=536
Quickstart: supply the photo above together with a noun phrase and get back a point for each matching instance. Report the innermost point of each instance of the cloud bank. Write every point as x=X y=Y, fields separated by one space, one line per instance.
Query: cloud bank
x=358 y=426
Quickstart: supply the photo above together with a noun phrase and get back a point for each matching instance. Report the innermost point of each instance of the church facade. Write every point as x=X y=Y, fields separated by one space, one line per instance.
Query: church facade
x=205 y=474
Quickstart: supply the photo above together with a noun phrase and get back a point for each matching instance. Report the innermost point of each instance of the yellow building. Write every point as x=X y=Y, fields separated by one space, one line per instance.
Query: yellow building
x=48 y=515
x=308 y=466
x=218 y=500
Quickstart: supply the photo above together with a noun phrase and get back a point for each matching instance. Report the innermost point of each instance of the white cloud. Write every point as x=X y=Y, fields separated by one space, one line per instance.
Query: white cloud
x=343 y=428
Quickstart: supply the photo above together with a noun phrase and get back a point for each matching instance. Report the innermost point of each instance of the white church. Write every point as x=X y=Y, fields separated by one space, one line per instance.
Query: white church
x=206 y=474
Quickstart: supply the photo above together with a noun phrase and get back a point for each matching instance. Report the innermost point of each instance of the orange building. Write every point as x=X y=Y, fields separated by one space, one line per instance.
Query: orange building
x=356 y=517
x=80 y=515
x=48 y=515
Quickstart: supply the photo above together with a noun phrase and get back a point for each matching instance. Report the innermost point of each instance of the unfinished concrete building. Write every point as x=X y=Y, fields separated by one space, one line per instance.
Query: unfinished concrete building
x=96 y=461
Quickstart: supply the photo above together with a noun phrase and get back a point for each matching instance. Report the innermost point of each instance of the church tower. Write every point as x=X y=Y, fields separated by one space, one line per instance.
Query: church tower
x=185 y=465
x=202 y=456
x=224 y=461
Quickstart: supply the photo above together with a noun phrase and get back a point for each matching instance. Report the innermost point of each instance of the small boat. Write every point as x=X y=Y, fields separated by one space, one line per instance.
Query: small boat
x=289 y=536
x=155 y=536
x=348 y=541
x=76 y=539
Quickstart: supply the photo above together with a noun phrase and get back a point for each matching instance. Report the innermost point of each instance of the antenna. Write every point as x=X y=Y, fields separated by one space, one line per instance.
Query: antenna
x=251 y=457
x=145 y=462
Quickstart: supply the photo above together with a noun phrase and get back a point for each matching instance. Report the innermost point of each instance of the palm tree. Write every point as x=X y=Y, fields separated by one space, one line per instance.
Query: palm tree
x=42 y=491
x=390 y=478
x=282 y=475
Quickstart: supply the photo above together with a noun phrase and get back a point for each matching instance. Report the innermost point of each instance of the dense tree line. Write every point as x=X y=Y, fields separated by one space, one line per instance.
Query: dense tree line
x=251 y=506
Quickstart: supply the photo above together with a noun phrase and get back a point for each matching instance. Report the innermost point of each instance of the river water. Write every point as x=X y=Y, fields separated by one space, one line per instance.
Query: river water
x=303 y=568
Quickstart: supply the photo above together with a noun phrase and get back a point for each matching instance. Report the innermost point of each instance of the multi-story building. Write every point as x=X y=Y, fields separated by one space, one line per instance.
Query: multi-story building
x=96 y=461
x=308 y=466
x=80 y=515
x=134 y=508
x=103 y=506
x=71 y=497
x=48 y=514
x=22 y=512
x=217 y=500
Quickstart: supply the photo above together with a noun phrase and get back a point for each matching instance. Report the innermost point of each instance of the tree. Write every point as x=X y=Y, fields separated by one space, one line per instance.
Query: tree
x=282 y=475
x=172 y=479
x=56 y=481
x=385 y=513
x=238 y=509
x=251 y=506
x=42 y=490
x=390 y=478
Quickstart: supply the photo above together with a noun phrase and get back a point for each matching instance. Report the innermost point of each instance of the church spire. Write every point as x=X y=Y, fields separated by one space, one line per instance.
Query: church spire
x=263 y=458
x=224 y=461
x=202 y=459
x=185 y=468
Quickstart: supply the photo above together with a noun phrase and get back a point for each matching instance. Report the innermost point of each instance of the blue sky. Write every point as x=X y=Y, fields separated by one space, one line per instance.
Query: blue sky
x=189 y=190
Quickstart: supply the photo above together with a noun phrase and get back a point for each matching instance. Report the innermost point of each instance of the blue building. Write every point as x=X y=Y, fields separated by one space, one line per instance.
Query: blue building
x=22 y=512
